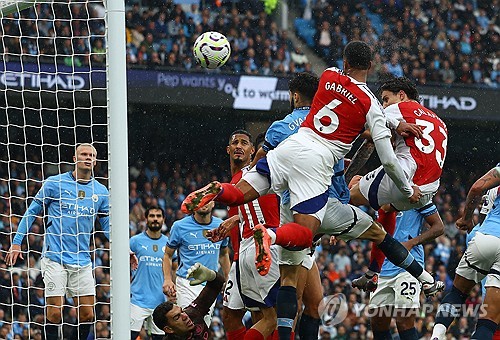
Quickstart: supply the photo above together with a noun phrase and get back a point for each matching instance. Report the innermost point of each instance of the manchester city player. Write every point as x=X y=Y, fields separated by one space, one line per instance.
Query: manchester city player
x=188 y=237
x=72 y=202
x=397 y=289
x=480 y=260
x=146 y=286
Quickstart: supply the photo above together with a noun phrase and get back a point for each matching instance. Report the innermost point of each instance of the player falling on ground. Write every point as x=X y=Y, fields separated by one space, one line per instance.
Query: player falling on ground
x=73 y=201
x=398 y=293
x=146 y=287
x=480 y=260
x=245 y=287
x=303 y=164
x=189 y=322
x=189 y=237
x=421 y=159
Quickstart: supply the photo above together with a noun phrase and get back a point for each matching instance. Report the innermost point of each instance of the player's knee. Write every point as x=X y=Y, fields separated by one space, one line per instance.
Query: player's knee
x=86 y=314
x=404 y=324
x=53 y=315
x=377 y=233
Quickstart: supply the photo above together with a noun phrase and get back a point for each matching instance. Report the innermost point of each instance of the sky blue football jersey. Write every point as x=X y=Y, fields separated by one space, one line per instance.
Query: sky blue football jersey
x=147 y=281
x=188 y=237
x=409 y=225
x=70 y=209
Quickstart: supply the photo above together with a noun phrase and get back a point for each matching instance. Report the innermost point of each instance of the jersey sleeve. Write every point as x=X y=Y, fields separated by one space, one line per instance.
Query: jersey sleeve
x=428 y=210
x=376 y=122
x=43 y=197
x=174 y=241
x=393 y=116
x=133 y=245
x=225 y=242
x=488 y=200
x=201 y=305
x=275 y=134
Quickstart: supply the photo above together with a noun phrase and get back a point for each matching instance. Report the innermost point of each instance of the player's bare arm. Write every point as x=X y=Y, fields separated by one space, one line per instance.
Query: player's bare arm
x=359 y=159
x=436 y=229
x=488 y=181
x=168 y=282
x=225 y=261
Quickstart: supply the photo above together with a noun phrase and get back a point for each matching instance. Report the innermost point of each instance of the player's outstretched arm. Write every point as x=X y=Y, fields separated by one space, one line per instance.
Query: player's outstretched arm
x=489 y=180
x=210 y=292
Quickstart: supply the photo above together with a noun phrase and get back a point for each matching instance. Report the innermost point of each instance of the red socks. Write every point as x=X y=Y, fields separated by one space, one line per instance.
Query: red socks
x=275 y=336
x=377 y=257
x=237 y=334
x=293 y=235
x=253 y=334
x=230 y=195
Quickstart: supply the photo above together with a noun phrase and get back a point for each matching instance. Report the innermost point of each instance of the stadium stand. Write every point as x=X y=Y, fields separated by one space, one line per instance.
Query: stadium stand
x=430 y=41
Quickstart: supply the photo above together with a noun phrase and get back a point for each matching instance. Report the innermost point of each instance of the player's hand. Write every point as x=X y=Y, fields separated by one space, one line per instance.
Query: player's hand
x=221 y=232
x=134 y=262
x=408 y=129
x=200 y=274
x=13 y=254
x=355 y=180
x=408 y=245
x=169 y=289
x=417 y=195
x=464 y=224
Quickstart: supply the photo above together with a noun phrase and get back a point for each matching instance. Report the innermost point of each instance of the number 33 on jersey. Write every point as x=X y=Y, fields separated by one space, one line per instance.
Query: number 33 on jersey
x=428 y=152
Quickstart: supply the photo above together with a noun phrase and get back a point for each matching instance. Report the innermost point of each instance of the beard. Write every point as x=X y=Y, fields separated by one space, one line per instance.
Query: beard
x=154 y=227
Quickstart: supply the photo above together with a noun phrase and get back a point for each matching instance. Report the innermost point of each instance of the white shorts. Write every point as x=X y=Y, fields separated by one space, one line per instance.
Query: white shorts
x=62 y=280
x=232 y=296
x=299 y=164
x=379 y=189
x=257 y=290
x=344 y=221
x=400 y=291
x=308 y=261
x=481 y=256
x=187 y=294
x=137 y=317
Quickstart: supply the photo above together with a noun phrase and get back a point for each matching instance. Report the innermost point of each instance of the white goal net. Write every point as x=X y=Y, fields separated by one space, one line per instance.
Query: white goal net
x=53 y=96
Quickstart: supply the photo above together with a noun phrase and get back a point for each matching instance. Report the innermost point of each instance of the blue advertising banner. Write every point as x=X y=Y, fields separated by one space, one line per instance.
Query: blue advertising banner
x=216 y=90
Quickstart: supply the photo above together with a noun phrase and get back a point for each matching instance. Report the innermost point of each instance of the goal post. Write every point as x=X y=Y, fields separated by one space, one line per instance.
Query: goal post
x=63 y=82
x=118 y=170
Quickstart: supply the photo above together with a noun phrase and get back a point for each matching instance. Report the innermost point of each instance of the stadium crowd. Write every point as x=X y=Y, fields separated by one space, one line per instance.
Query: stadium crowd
x=430 y=41
x=165 y=184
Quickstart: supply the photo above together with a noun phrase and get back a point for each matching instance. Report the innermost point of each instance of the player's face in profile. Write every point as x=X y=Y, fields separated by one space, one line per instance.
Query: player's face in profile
x=85 y=157
x=155 y=219
x=240 y=148
x=178 y=321
x=389 y=98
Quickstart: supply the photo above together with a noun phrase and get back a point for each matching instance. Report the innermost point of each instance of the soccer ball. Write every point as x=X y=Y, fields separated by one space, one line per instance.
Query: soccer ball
x=211 y=50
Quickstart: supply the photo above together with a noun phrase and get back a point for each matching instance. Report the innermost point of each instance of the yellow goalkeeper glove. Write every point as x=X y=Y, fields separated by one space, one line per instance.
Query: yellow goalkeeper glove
x=200 y=274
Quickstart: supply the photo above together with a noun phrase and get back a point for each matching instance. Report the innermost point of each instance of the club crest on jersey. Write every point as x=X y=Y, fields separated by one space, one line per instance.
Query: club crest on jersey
x=81 y=194
x=155 y=247
x=204 y=233
x=95 y=198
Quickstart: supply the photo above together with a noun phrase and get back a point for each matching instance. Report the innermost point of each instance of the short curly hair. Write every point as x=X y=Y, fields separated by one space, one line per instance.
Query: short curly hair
x=358 y=54
x=400 y=84
x=304 y=83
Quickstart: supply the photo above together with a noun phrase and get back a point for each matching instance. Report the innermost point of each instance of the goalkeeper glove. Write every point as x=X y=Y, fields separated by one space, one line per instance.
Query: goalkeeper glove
x=200 y=274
